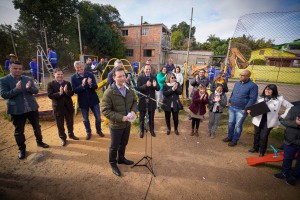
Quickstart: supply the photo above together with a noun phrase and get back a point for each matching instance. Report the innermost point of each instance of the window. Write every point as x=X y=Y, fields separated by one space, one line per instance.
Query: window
x=145 y=31
x=148 y=53
x=261 y=52
x=124 y=32
x=129 y=52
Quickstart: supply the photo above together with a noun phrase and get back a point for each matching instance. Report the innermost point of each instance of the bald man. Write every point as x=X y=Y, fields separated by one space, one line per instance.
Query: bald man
x=244 y=94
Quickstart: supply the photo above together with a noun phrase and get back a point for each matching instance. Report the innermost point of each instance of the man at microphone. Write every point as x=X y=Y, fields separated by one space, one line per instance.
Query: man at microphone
x=147 y=84
x=84 y=85
x=119 y=106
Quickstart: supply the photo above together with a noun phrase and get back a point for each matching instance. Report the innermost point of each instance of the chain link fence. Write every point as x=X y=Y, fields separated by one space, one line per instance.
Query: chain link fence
x=268 y=44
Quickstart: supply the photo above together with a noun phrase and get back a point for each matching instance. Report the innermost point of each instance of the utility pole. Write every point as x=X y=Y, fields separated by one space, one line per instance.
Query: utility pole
x=12 y=39
x=79 y=32
x=188 y=49
x=141 y=31
x=227 y=56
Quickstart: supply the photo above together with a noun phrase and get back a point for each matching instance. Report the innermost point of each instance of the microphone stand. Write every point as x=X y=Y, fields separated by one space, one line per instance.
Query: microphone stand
x=146 y=158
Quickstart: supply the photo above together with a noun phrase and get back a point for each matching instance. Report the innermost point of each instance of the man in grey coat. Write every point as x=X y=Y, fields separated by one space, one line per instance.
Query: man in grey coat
x=18 y=90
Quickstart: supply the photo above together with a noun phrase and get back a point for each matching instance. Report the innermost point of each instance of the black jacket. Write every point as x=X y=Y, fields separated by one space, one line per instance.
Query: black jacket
x=292 y=131
x=61 y=103
x=171 y=96
x=142 y=87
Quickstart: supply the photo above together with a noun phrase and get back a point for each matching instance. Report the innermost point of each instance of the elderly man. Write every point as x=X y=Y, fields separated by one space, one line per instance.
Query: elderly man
x=244 y=94
x=18 y=90
x=147 y=84
x=119 y=106
x=84 y=85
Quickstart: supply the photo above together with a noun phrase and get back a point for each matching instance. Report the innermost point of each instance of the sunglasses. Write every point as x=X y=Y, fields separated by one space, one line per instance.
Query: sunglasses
x=173 y=77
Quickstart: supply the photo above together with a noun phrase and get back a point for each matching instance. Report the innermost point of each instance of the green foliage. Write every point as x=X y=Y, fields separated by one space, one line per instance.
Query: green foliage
x=177 y=40
x=58 y=19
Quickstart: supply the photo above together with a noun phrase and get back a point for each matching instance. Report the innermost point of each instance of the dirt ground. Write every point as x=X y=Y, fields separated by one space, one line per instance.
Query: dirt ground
x=185 y=167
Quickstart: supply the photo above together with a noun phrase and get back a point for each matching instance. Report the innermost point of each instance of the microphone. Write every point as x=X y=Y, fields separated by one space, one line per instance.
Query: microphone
x=126 y=86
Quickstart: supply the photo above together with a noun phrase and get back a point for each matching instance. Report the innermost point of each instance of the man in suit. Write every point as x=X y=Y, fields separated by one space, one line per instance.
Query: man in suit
x=147 y=84
x=119 y=106
x=60 y=91
x=84 y=85
x=18 y=90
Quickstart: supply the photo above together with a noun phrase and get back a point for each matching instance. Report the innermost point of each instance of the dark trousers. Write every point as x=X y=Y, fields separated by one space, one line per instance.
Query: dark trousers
x=151 y=120
x=187 y=85
x=19 y=124
x=261 y=135
x=119 y=141
x=60 y=124
x=195 y=123
x=290 y=152
x=168 y=118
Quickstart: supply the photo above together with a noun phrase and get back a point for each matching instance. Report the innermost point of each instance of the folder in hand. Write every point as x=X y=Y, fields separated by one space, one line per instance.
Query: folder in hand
x=258 y=109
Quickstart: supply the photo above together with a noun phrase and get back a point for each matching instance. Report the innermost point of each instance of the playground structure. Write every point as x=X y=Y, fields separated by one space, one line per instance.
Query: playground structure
x=43 y=59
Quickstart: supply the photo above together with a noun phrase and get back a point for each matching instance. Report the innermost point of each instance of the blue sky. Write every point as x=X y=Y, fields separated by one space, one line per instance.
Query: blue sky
x=217 y=17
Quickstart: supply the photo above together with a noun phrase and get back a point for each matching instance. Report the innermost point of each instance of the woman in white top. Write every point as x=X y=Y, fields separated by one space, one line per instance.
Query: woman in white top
x=264 y=123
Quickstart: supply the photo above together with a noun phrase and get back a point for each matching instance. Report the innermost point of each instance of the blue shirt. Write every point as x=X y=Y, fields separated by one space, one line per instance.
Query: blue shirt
x=122 y=90
x=34 y=67
x=52 y=57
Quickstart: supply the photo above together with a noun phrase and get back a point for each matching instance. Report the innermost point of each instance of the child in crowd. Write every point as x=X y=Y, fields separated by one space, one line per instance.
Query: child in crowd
x=216 y=102
x=198 y=108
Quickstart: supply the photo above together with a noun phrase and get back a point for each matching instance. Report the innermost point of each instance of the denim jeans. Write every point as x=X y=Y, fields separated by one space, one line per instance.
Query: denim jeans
x=235 y=123
x=85 y=114
x=289 y=154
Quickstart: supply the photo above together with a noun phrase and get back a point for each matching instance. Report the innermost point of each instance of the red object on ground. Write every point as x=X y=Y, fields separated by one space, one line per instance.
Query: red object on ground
x=267 y=158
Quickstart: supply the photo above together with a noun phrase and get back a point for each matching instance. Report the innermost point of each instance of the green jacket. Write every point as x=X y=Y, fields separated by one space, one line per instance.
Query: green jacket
x=161 y=77
x=115 y=106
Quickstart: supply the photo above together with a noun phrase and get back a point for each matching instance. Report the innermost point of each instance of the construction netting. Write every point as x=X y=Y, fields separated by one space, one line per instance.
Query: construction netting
x=268 y=44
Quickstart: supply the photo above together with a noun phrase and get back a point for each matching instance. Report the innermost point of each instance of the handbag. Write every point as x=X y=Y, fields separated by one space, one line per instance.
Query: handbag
x=179 y=105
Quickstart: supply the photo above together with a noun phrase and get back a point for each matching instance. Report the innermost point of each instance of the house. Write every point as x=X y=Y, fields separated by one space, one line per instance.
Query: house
x=153 y=43
x=275 y=57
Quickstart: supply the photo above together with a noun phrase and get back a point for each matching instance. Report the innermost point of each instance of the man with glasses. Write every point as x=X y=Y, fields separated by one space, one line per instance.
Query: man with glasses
x=244 y=94
x=84 y=85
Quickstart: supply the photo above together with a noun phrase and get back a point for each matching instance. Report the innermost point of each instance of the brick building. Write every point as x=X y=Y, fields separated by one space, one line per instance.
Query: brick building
x=154 y=43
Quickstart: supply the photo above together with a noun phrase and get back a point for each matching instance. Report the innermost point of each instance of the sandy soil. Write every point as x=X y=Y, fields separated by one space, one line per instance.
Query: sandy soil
x=185 y=167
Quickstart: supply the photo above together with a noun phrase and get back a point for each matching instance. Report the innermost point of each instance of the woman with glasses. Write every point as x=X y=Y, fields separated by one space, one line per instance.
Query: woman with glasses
x=264 y=123
x=171 y=103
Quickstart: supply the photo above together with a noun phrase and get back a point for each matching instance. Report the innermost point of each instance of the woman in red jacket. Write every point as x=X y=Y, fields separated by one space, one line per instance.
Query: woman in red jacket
x=198 y=108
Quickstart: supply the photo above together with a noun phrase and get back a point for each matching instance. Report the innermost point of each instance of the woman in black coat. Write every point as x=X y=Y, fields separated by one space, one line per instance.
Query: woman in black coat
x=171 y=102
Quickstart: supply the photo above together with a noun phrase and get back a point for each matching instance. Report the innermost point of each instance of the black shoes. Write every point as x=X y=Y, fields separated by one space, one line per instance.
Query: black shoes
x=253 y=150
x=115 y=169
x=261 y=154
x=63 y=142
x=141 y=134
x=73 y=137
x=280 y=176
x=22 y=154
x=100 y=133
x=153 y=134
x=291 y=180
x=176 y=132
x=42 y=144
x=88 y=136
x=226 y=139
x=232 y=143
x=168 y=132
x=125 y=162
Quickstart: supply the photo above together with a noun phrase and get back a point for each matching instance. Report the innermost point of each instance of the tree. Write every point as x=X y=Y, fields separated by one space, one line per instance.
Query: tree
x=184 y=28
x=177 y=40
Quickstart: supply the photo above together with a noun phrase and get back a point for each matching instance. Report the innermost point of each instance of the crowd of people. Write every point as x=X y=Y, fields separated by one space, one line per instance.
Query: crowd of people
x=119 y=105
